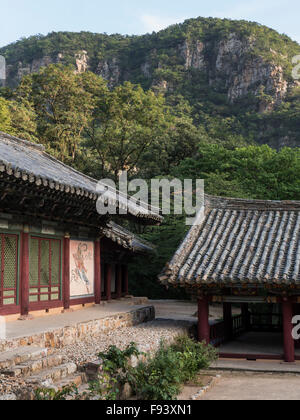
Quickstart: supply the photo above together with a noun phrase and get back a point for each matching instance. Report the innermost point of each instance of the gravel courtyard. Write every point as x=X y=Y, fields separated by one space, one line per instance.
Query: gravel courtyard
x=147 y=336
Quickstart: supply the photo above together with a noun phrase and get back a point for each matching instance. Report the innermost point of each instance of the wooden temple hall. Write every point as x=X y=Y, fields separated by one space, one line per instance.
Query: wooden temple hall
x=56 y=251
x=245 y=256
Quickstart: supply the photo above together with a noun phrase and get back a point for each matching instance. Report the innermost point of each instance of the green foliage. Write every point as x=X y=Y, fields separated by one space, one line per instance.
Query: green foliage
x=156 y=377
x=5 y=117
x=115 y=373
x=247 y=172
x=48 y=394
x=161 y=377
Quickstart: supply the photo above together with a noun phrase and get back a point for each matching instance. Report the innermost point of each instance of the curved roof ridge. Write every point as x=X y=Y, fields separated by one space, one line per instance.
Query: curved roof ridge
x=231 y=203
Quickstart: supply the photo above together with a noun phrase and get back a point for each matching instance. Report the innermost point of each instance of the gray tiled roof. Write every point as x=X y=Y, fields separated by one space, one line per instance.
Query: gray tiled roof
x=240 y=242
x=30 y=162
x=127 y=239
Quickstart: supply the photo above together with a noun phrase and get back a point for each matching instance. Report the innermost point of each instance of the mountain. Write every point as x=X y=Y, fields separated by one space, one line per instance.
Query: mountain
x=236 y=75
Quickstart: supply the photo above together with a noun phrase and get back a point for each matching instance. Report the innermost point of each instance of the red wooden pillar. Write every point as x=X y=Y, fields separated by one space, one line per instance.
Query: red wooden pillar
x=66 y=272
x=108 y=277
x=24 y=273
x=125 y=280
x=97 y=272
x=227 y=318
x=289 y=344
x=203 y=320
x=119 y=281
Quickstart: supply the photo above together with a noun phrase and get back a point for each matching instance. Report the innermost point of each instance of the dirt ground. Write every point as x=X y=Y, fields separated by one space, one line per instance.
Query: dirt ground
x=254 y=387
x=192 y=389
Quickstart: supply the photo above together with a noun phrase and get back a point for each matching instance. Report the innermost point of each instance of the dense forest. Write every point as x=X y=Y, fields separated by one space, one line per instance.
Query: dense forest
x=163 y=117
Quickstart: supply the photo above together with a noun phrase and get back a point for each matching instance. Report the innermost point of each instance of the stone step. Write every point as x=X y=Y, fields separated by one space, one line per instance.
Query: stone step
x=77 y=379
x=21 y=355
x=46 y=378
x=33 y=366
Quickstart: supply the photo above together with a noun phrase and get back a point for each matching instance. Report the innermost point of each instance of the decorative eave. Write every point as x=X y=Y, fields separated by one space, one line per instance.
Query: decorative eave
x=126 y=239
x=27 y=162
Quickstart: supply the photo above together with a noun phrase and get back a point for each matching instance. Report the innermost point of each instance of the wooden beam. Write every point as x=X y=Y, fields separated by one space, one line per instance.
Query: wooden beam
x=66 y=272
x=97 y=272
x=108 y=278
x=125 y=280
x=119 y=281
x=289 y=344
x=203 y=320
x=24 y=266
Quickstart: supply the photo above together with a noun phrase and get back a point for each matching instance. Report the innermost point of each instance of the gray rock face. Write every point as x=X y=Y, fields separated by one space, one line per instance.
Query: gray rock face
x=229 y=61
x=110 y=71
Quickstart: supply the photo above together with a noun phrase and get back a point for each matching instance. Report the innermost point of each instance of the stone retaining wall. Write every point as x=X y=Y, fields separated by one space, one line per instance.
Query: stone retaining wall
x=61 y=337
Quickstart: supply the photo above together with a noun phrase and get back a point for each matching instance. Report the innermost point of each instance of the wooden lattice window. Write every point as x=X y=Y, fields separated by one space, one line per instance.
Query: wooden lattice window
x=9 y=269
x=44 y=270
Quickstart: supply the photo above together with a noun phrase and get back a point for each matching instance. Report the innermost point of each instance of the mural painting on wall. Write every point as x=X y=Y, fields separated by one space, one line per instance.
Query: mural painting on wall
x=81 y=268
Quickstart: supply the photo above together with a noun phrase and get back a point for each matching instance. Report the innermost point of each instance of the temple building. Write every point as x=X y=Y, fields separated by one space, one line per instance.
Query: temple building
x=56 y=249
x=247 y=253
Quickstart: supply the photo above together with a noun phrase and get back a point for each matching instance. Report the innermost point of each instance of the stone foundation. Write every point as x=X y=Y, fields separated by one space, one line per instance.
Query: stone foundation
x=61 y=337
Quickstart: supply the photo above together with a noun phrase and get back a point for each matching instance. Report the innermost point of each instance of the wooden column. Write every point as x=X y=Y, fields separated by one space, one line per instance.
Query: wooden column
x=108 y=277
x=227 y=318
x=246 y=316
x=66 y=272
x=289 y=344
x=97 y=272
x=125 y=280
x=24 y=273
x=119 y=281
x=203 y=320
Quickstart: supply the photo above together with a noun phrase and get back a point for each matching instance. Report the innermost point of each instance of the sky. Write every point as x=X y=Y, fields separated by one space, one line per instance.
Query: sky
x=22 y=18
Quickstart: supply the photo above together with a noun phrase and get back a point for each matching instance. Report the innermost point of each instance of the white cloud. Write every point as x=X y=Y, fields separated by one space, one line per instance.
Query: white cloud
x=156 y=23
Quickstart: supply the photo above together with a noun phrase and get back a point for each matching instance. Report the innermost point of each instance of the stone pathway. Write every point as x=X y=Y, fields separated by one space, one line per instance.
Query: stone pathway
x=254 y=387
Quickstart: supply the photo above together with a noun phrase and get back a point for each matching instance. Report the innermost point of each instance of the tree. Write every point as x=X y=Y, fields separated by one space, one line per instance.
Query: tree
x=5 y=117
x=62 y=106
x=125 y=126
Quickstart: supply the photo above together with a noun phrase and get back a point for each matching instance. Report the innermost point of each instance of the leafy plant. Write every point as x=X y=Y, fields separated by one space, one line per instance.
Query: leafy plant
x=116 y=370
x=161 y=377
x=49 y=394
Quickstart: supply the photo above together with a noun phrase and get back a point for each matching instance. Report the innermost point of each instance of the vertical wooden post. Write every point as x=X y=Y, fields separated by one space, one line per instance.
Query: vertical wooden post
x=203 y=320
x=108 y=277
x=289 y=344
x=246 y=316
x=97 y=272
x=125 y=280
x=24 y=273
x=66 y=272
x=119 y=281
x=227 y=318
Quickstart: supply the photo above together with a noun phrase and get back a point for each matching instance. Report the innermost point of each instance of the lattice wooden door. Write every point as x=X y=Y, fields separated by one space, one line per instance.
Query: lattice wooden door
x=9 y=269
x=44 y=270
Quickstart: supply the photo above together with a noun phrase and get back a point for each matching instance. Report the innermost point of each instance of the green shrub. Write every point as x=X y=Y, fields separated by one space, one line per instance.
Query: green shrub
x=161 y=377
x=157 y=378
x=49 y=394
x=115 y=372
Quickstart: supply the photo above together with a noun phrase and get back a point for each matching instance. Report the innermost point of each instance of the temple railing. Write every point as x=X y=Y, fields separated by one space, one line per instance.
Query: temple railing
x=258 y=322
x=218 y=334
